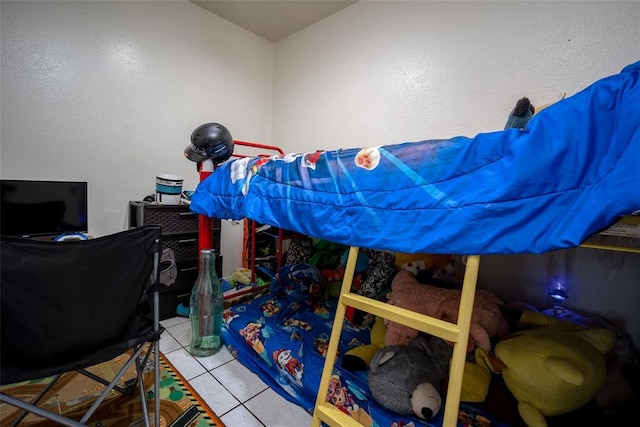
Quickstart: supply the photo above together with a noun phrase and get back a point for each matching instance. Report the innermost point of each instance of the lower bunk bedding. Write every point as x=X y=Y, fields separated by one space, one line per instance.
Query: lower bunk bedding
x=283 y=336
x=284 y=342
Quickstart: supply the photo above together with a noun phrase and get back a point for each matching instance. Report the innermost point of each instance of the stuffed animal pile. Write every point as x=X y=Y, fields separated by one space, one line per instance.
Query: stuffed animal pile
x=551 y=368
x=486 y=321
x=406 y=379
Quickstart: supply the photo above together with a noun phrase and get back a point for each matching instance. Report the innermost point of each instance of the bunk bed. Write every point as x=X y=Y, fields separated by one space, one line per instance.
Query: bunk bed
x=571 y=173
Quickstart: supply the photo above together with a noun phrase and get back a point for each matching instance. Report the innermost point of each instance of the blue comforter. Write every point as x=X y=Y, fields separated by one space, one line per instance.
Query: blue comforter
x=570 y=173
x=285 y=342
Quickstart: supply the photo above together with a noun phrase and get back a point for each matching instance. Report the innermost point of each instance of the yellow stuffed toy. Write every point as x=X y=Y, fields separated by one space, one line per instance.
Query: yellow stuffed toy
x=359 y=358
x=550 y=371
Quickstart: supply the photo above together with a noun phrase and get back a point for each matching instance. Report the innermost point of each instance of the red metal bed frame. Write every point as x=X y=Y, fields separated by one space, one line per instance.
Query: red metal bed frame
x=205 y=236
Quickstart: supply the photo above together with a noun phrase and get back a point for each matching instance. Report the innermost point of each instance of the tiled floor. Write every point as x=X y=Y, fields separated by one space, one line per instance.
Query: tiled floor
x=235 y=394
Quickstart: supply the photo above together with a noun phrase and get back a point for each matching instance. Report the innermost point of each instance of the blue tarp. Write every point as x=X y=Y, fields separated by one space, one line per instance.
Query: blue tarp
x=573 y=171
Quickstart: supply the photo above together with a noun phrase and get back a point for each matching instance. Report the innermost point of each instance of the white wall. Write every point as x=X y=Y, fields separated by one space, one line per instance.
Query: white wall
x=381 y=72
x=109 y=93
x=394 y=71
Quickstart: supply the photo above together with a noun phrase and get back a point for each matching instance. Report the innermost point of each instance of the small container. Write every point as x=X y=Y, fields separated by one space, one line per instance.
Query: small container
x=206 y=308
x=168 y=189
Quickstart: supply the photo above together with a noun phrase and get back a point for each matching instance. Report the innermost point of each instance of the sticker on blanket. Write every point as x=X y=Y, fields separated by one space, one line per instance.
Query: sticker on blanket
x=291 y=369
x=251 y=334
x=228 y=315
x=368 y=158
x=270 y=307
x=343 y=398
x=321 y=344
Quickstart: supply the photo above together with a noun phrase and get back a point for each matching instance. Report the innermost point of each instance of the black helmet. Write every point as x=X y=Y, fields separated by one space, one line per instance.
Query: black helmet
x=210 y=141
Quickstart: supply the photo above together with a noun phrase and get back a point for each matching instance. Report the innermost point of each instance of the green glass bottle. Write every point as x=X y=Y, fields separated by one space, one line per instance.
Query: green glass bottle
x=206 y=308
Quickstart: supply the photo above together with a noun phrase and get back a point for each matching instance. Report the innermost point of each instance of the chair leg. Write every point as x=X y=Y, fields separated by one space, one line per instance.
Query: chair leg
x=39 y=411
x=36 y=399
x=104 y=382
x=156 y=377
x=100 y=399
x=141 y=388
x=140 y=365
x=156 y=346
x=140 y=361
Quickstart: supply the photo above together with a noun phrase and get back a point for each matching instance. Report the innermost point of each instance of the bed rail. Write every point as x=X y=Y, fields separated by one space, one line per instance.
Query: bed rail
x=457 y=333
x=205 y=236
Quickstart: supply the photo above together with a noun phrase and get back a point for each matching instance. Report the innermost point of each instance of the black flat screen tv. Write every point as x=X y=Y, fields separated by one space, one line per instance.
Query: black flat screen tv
x=41 y=208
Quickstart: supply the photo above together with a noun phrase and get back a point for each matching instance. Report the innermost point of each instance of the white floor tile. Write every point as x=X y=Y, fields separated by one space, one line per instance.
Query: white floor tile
x=240 y=417
x=240 y=381
x=218 y=359
x=225 y=384
x=168 y=343
x=185 y=363
x=274 y=410
x=174 y=321
x=181 y=332
x=214 y=394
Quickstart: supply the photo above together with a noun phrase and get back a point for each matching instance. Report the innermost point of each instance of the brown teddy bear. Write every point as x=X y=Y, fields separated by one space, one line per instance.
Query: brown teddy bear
x=487 y=319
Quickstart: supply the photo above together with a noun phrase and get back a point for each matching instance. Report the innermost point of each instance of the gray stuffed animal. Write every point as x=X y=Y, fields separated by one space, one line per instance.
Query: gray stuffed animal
x=406 y=379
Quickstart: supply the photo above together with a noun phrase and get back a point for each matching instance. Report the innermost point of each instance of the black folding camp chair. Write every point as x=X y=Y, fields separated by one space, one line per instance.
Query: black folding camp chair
x=69 y=305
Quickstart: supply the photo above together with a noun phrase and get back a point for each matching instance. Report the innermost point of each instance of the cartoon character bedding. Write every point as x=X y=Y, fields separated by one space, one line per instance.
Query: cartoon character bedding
x=283 y=340
x=570 y=173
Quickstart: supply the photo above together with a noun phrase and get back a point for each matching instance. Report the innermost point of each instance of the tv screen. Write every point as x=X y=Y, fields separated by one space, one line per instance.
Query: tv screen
x=37 y=208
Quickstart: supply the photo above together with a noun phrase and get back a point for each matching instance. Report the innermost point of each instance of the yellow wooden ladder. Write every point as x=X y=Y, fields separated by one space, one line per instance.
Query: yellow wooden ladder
x=457 y=333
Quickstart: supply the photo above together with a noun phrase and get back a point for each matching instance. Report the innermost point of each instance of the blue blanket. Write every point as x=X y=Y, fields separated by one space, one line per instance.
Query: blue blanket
x=571 y=172
x=284 y=343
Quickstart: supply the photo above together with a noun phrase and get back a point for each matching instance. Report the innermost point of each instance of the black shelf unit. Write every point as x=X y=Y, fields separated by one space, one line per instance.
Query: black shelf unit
x=180 y=233
x=265 y=246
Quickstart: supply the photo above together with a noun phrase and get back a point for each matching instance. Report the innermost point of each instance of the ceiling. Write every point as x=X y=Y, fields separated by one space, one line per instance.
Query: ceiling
x=273 y=19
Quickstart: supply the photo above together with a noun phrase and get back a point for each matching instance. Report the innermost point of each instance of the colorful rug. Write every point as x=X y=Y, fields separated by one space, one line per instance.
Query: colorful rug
x=180 y=405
